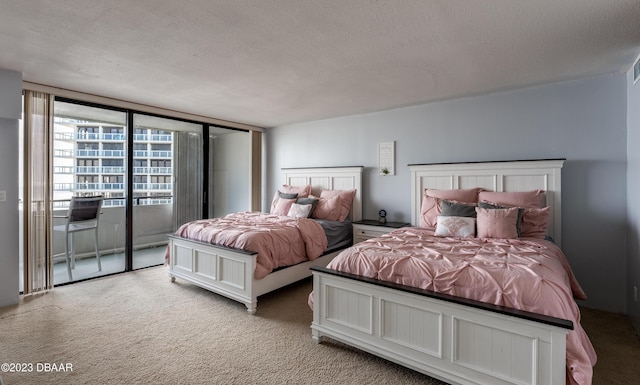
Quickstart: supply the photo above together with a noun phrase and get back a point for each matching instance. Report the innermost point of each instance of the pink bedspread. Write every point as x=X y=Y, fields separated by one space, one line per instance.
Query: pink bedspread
x=278 y=240
x=527 y=274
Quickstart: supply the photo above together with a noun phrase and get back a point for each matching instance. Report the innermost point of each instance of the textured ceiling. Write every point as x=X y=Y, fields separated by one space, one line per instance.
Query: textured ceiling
x=269 y=63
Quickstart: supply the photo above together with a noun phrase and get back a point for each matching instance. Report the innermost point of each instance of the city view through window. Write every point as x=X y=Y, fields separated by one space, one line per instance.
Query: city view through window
x=90 y=159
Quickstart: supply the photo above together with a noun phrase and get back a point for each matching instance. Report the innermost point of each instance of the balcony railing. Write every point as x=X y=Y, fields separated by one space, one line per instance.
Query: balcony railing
x=116 y=186
x=115 y=153
x=100 y=170
x=63 y=186
x=88 y=136
x=120 y=137
x=63 y=136
x=112 y=136
x=63 y=170
x=111 y=170
x=152 y=154
x=139 y=201
x=161 y=154
x=121 y=201
x=99 y=186
x=152 y=137
x=63 y=153
x=153 y=186
x=159 y=138
x=153 y=170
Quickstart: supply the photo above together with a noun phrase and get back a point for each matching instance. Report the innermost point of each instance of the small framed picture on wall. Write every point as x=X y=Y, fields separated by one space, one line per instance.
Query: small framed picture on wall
x=386 y=158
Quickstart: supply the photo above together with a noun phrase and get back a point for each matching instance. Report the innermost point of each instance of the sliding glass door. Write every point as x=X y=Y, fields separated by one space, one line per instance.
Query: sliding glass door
x=167 y=183
x=147 y=169
x=89 y=160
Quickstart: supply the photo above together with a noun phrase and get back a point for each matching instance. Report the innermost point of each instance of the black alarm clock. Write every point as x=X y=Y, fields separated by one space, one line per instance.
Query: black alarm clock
x=382 y=216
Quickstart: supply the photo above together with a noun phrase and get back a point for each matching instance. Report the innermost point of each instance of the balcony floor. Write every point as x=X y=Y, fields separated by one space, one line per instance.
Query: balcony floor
x=111 y=263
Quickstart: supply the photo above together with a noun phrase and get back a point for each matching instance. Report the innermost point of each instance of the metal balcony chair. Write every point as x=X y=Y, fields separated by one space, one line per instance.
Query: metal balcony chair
x=83 y=215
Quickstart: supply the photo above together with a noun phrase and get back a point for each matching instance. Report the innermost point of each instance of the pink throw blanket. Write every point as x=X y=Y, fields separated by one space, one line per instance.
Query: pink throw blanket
x=526 y=273
x=278 y=240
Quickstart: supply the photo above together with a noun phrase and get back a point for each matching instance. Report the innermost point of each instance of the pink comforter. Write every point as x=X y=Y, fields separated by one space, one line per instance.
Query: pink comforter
x=278 y=240
x=526 y=273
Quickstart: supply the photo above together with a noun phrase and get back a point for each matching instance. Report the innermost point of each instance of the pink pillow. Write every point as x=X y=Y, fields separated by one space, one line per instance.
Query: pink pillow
x=532 y=199
x=430 y=209
x=283 y=205
x=328 y=209
x=462 y=227
x=345 y=197
x=497 y=223
x=468 y=195
x=276 y=198
x=302 y=191
x=535 y=223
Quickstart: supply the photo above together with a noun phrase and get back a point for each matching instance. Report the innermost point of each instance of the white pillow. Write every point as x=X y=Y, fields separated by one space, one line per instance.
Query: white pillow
x=463 y=227
x=299 y=211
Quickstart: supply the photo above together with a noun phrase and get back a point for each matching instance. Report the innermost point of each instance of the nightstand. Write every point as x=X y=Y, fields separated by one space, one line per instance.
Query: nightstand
x=367 y=228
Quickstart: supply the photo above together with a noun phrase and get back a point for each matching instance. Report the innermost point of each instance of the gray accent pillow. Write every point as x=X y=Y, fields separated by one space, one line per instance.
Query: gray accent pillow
x=287 y=195
x=485 y=205
x=451 y=209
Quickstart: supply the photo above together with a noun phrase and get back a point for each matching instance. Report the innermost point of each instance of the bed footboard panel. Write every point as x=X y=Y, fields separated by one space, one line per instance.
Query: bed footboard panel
x=220 y=270
x=452 y=342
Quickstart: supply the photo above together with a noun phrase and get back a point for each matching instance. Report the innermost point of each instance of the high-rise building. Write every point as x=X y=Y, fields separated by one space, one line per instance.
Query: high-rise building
x=90 y=159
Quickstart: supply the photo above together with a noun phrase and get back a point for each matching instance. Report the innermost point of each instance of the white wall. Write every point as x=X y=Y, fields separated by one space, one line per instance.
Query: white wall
x=231 y=173
x=10 y=113
x=583 y=121
x=633 y=193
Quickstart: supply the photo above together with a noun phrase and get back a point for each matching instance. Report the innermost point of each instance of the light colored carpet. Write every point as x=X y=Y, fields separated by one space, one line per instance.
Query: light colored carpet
x=139 y=328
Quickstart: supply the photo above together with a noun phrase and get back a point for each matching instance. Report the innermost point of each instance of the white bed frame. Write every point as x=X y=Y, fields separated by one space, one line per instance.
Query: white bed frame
x=230 y=272
x=453 y=339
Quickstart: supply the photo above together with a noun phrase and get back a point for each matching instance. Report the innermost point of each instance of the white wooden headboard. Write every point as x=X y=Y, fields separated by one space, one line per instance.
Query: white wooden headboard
x=495 y=176
x=329 y=178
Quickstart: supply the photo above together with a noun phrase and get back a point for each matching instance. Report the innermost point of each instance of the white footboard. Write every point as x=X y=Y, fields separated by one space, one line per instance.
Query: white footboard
x=224 y=271
x=230 y=272
x=455 y=340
